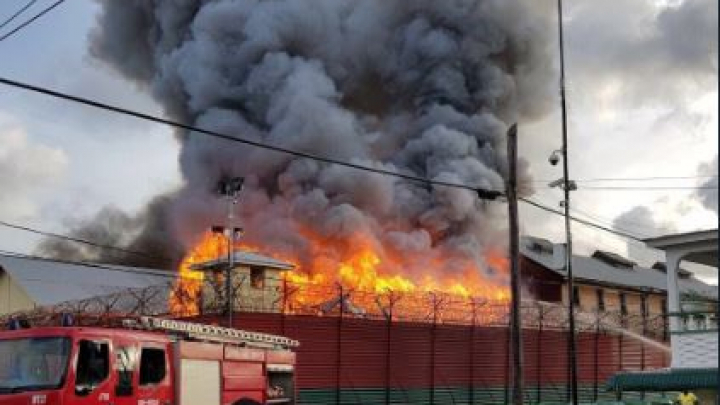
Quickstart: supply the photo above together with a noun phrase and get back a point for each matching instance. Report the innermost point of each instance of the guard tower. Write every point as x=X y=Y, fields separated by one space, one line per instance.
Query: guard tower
x=256 y=283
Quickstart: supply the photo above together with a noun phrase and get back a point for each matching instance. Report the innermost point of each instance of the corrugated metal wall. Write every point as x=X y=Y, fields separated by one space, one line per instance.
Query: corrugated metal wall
x=346 y=360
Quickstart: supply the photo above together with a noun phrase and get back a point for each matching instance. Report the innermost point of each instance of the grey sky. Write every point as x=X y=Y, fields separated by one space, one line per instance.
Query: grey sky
x=642 y=82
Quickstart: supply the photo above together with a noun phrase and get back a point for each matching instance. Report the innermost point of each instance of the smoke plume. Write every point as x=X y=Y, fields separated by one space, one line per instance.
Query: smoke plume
x=144 y=239
x=422 y=87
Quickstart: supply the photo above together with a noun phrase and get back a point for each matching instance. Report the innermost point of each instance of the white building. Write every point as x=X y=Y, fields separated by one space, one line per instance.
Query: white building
x=693 y=329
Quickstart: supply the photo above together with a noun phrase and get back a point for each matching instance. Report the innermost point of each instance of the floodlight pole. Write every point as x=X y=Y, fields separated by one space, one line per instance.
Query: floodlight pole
x=567 y=186
x=229 y=293
x=230 y=188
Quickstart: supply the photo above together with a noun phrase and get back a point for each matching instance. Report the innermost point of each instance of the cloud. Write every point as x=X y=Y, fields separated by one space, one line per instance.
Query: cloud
x=707 y=193
x=634 y=53
x=27 y=170
x=641 y=221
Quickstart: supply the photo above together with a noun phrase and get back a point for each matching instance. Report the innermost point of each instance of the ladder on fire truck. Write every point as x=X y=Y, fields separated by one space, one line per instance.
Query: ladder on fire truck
x=180 y=329
x=210 y=333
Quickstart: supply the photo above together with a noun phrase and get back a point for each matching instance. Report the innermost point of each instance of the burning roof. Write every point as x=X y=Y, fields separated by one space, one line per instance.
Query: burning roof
x=248 y=259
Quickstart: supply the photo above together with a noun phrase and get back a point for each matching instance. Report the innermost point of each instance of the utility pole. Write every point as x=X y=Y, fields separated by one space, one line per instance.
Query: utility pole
x=515 y=273
x=567 y=187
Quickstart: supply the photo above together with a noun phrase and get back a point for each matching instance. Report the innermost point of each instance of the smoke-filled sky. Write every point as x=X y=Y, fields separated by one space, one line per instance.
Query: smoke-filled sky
x=642 y=99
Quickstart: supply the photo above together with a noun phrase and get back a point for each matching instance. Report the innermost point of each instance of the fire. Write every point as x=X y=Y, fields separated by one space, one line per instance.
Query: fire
x=184 y=301
x=364 y=271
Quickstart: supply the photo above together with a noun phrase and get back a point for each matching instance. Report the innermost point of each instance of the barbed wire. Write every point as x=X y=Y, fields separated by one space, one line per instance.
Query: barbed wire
x=302 y=299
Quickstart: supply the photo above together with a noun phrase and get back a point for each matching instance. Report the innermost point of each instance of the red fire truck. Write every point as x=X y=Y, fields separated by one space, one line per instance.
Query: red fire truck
x=146 y=361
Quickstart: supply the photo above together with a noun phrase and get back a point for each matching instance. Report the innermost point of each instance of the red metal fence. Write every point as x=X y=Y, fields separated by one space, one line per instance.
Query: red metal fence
x=366 y=361
x=423 y=348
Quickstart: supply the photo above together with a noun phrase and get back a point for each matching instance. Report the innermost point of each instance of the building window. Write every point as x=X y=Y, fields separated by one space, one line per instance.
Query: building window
x=576 y=296
x=600 y=299
x=644 y=306
x=623 y=304
x=257 y=278
x=152 y=366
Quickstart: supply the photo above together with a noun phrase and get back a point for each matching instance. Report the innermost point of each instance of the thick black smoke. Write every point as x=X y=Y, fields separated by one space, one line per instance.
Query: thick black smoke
x=144 y=239
x=423 y=87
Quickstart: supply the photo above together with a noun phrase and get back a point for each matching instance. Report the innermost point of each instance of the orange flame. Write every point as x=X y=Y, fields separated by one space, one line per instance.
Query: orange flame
x=358 y=266
x=184 y=300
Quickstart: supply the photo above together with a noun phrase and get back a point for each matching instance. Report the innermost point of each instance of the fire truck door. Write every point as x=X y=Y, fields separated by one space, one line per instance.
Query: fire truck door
x=126 y=361
x=155 y=376
x=92 y=382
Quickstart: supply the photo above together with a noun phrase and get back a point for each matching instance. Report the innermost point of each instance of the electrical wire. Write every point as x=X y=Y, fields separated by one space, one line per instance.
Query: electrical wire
x=644 y=178
x=609 y=223
x=118 y=249
x=630 y=179
x=122 y=269
x=17 y=13
x=81 y=241
x=622 y=233
x=580 y=220
x=31 y=20
x=482 y=193
x=648 y=232
x=651 y=188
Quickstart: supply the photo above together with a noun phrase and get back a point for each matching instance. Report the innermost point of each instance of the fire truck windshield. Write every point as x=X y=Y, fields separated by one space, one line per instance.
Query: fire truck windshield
x=30 y=364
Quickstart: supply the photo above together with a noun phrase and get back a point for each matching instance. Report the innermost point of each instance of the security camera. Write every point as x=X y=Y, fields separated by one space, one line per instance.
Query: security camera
x=554 y=158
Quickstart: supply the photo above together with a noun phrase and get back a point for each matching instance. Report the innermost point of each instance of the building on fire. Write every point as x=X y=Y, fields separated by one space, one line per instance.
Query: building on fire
x=256 y=280
x=431 y=356
x=604 y=281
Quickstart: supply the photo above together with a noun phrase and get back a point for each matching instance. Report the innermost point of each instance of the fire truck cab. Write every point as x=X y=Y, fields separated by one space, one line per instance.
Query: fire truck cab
x=150 y=361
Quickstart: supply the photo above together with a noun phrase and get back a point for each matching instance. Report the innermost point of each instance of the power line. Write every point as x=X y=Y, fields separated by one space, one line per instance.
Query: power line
x=580 y=220
x=651 y=188
x=630 y=179
x=122 y=269
x=644 y=178
x=609 y=223
x=80 y=241
x=31 y=20
x=17 y=13
x=176 y=276
x=647 y=231
x=482 y=193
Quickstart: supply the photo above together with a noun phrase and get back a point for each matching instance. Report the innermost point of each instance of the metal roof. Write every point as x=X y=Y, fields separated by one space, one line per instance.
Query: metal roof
x=666 y=241
x=698 y=247
x=244 y=259
x=49 y=282
x=592 y=269
x=665 y=380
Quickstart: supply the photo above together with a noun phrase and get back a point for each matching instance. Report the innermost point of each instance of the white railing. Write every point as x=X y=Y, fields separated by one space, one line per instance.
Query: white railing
x=695 y=342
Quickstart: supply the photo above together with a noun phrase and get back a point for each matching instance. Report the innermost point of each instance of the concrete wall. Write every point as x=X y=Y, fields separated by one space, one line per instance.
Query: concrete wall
x=695 y=349
x=266 y=297
x=12 y=297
